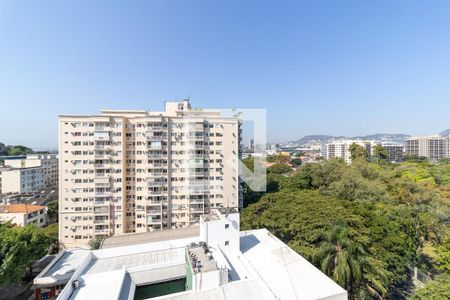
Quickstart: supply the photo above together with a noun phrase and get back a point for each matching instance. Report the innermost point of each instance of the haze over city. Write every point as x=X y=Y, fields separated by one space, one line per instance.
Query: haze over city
x=338 y=68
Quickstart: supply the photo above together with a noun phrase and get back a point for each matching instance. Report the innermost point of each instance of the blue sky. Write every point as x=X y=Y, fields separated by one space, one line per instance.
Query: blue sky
x=318 y=67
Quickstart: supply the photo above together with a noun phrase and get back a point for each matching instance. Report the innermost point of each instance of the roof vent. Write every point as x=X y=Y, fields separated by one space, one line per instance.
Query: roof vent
x=75 y=284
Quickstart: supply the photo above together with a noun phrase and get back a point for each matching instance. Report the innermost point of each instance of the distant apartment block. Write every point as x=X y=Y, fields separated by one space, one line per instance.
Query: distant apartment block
x=21 y=180
x=395 y=152
x=136 y=171
x=434 y=147
x=49 y=163
x=23 y=214
x=340 y=149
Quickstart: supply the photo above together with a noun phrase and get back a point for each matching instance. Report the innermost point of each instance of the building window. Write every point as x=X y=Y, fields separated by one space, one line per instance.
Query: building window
x=227 y=243
x=227 y=226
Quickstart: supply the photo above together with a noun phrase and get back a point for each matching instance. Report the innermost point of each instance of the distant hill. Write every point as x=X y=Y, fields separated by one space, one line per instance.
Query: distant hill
x=380 y=137
x=445 y=132
x=384 y=137
x=320 y=138
x=9 y=150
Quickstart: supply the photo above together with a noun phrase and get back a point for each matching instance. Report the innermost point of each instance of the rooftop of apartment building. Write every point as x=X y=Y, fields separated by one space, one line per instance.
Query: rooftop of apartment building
x=40 y=197
x=20 y=208
x=261 y=267
x=431 y=136
x=150 y=236
x=171 y=108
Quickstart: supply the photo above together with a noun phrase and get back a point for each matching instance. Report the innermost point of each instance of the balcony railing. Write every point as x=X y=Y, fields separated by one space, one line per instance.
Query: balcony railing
x=154 y=128
x=102 y=231
x=156 y=155
x=156 y=183
x=101 y=221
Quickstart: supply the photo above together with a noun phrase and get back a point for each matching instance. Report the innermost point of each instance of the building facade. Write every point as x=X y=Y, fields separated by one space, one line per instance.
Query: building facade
x=23 y=214
x=21 y=180
x=395 y=152
x=433 y=147
x=49 y=163
x=340 y=149
x=138 y=171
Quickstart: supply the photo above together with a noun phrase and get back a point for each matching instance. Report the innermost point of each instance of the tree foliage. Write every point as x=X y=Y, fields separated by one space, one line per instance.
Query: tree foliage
x=389 y=212
x=379 y=152
x=279 y=169
x=19 y=248
x=358 y=151
x=52 y=210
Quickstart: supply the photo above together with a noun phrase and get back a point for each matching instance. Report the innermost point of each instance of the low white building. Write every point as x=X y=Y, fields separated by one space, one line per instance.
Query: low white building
x=212 y=260
x=23 y=214
x=21 y=180
x=49 y=163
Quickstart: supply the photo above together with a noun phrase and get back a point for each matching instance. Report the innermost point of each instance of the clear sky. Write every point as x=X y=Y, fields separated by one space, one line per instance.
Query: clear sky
x=318 y=67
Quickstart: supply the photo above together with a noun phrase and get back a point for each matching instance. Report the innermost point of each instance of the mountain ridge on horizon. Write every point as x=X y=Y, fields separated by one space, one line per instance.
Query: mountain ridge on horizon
x=388 y=137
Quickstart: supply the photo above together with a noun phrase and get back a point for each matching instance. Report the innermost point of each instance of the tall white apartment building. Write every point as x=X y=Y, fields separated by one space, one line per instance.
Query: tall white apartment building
x=434 y=147
x=49 y=162
x=340 y=149
x=137 y=171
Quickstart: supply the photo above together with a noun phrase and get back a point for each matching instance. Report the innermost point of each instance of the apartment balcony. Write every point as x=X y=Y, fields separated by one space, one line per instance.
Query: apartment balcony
x=198 y=191
x=196 y=163
x=102 y=155
x=156 y=174
x=155 y=128
x=103 y=165
x=198 y=127
x=158 y=165
x=157 y=146
x=102 y=221
x=101 y=202
x=196 y=210
x=102 y=194
x=196 y=201
x=157 y=193
x=101 y=212
x=153 y=212
x=150 y=135
x=157 y=155
x=194 y=219
x=152 y=220
x=196 y=138
x=156 y=183
x=102 y=137
x=153 y=203
x=101 y=147
x=196 y=173
x=102 y=231
x=197 y=146
x=102 y=181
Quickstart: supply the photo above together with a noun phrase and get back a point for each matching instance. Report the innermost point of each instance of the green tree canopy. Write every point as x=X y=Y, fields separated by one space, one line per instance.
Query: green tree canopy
x=358 y=151
x=279 y=169
x=52 y=210
x=296 y=162
x=379 y=152
x=19 y=248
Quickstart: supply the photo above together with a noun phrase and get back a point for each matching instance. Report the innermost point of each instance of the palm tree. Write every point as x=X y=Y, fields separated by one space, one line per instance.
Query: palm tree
x=348 y=264
x=339 y=257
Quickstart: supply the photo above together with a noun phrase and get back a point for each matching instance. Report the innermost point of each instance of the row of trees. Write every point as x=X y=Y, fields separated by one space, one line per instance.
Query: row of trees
x=364 y=225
